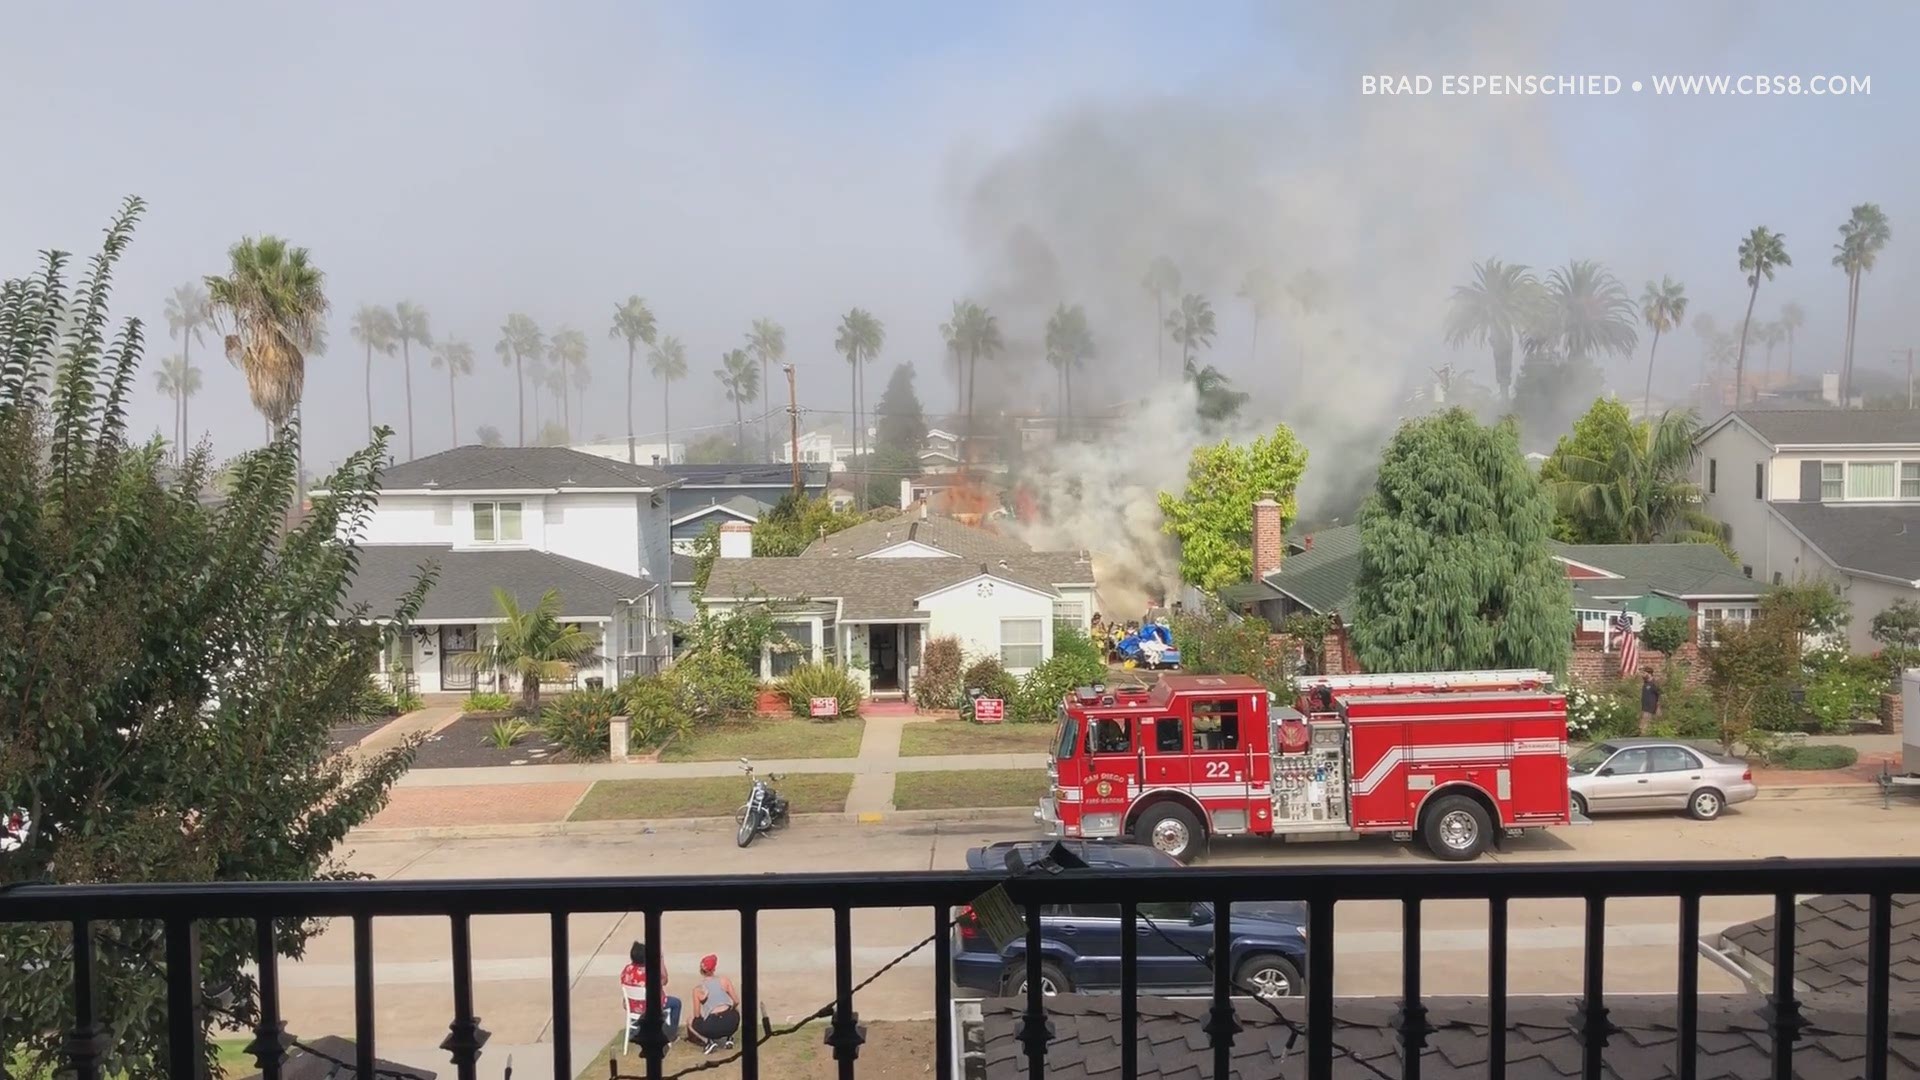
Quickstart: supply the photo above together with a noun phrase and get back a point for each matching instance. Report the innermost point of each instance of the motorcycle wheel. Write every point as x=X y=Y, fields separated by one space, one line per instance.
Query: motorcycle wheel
x=749 y=826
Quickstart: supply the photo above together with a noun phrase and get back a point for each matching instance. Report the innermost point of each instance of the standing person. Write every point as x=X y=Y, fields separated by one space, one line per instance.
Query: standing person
x=635 y=975
x=1649 y=700
x=715 y=1014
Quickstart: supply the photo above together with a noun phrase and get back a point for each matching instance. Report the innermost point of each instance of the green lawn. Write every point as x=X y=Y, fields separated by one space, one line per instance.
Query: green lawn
x=959 y=737
x=233 y=1061
x=768 y=739
x=960 y=788
x=894 y=1050
x=705 y=796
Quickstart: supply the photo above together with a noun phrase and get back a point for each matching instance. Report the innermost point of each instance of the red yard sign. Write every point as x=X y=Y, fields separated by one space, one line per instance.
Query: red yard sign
x=823 y=706
x=989 y=710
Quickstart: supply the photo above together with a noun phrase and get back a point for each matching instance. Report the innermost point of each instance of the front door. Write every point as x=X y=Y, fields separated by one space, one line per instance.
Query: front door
x=456 y=657
x=1163 y=752
x=1219 y=764
x=883 y=657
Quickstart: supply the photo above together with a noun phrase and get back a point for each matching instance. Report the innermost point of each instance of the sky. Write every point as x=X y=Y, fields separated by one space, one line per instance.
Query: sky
x=734 y=161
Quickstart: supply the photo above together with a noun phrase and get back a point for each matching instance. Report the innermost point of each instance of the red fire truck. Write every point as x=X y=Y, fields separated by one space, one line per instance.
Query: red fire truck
x=1451 y=757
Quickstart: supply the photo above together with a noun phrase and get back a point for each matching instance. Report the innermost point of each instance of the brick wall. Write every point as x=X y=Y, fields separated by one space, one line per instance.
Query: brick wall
x=1592 y=666
x=1269 y=537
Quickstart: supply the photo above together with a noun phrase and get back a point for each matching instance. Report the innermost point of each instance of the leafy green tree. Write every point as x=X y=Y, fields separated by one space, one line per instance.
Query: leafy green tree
x=173 y=669
x=1662 y=307
x=1865 y=233
x=740 y=382
x=1455 y=569
x=410 y=328
x=1162 y=280
x=457 y=357
x=1761 y=253
x=1751 y=670
x=1069 y=346
x=533 y=646
x=1552 y=389
x=796 y=521
x=1215 y=398
x=900 y=426
x=1617 y=481
x=1897 y=629
x=373 y=329
x=1492 y=310
x=179 y=380
x=632 y=323
x=1211 y=643
x=274 y=300
x=521 y=342
x=1666 y=635
x=1213 y=517
x=668 y=361
x=767 y=341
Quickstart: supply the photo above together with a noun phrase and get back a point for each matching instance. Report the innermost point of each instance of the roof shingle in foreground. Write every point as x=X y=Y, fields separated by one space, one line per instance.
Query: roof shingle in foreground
x=1834 y=427
x=518 y=468
x=1830 y=946
x=464 y=588
x=1876 y=538
x=1734 y=1041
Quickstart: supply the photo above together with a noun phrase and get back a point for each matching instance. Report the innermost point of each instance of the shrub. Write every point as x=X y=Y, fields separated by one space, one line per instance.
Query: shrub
x=714 y=684
x=505 y=733
x=1596 y=713
x=578 y=720
x=371 y=703
x=1041 y=691
x=406 y=701
x=938 y=684
x=809 y=681
x=987 y=676
x=1665 y=634
x=483 y=702
x=1215 y=643
x=1843 y=689
x=1072 y=640
x=653 y=709
x=1686 y=713
x=1814 y=757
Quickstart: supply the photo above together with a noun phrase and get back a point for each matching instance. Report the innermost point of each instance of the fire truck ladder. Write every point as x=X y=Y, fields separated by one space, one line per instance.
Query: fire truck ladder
x=1439 y=680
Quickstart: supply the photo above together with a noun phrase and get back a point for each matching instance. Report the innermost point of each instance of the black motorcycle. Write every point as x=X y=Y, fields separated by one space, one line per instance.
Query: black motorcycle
x=764 y=809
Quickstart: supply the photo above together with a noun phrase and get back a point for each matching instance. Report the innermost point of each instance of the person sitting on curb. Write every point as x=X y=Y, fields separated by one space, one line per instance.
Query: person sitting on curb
x=716 y=1016
x=635 y=975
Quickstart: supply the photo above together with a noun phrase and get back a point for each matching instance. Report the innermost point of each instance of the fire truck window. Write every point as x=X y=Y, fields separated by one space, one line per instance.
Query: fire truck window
x=1628 y=762
x=1216 y=725
x=1110 y=737
x=1169 y=735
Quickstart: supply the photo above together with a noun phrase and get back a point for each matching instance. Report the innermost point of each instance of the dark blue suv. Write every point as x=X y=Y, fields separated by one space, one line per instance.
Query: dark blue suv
x=1081 y=943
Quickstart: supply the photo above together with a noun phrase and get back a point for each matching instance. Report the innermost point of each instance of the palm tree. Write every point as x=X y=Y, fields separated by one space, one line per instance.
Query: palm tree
x=1769 y=334
x=1591 y=311
x=1503 y=299
x=860 y=339
x=457 y=357
x=1162 y=280
x=1262 y=293
x=187 y=318
x=1663 y=307
x=668 y=361
x=1792 y=318
x=974 y=332
x=567 y=351
x=179 y=380
x=1642 y=490
x=740 y=381
x=410 y=328
x=1213 y=392
x=374 y=329
x=767 y=341
x=555 y=381
x=1306 y=293
x=532 y=645
x=1861 y=239
x=520 y=339
x=1192 y=327
x=1762 y=252
x=275 y=300
x=633 y=322
x=1069 y=345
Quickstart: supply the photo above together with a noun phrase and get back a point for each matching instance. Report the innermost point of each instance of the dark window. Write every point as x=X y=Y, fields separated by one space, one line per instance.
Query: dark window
x=1673 y=759
x=1168 y=911
x=1216 y=725
x=1747 y=570
x=1109 y=737
x=1628 y=762
x=1095 y=911
x=1759 y=480
x=1776 y=577
x=1713 y=475
x=1169 y=735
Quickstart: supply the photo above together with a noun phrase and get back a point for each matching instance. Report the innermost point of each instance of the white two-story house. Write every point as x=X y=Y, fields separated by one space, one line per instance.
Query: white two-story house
x=527 y=520
x=1821 y=494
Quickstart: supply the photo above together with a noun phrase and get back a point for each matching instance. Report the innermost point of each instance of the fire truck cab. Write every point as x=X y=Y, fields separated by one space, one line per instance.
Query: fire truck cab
x=1455 y=758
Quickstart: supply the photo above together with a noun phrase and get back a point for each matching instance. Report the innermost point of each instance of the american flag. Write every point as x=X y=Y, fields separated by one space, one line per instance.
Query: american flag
x=1629 y=644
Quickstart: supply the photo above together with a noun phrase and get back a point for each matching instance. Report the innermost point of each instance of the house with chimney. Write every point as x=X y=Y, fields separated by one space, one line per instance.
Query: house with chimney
x=871 y=597
x=1830 y=495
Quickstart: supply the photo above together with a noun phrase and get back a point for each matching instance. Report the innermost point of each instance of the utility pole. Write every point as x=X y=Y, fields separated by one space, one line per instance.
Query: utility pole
x=793 y=424
x=1909 y=357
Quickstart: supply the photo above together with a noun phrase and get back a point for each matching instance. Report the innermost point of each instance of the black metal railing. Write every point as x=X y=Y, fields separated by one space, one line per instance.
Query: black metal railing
x=180 y=907
x=633 y=665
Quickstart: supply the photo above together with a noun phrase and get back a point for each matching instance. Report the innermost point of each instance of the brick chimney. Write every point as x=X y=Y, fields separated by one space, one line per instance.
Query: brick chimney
x=736 y=540
x=1269 y=540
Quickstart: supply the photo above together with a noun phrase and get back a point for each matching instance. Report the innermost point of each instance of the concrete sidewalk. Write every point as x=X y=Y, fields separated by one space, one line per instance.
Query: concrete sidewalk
x=675 y=770
x=425 y=721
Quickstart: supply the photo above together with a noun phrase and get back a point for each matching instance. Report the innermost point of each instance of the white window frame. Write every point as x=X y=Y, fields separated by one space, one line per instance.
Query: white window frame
x=811 y=655
x=1840 y=480
x=1903 y=480
x=1038 y=644
x=1833 y=481
x=1073 y=611
x=496 y=522
x=1712 y=615
x=1861 y=468
x=1593 y=621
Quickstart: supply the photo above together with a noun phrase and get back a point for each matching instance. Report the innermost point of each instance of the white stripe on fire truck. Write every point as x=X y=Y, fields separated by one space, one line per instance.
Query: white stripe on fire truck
x=1198 y=791
x=1395 y=755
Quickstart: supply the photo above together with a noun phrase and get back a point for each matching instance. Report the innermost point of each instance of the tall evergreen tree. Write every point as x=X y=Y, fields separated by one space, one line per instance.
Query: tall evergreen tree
x=900 y=424
x=1455 y=569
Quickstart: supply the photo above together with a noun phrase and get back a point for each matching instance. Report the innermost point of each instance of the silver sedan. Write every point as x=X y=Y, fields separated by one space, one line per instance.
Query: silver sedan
x=1656 y=774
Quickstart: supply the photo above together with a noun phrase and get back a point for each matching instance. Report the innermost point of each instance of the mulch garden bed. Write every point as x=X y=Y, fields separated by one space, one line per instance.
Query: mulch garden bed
x=465 y=744
x=345 y=735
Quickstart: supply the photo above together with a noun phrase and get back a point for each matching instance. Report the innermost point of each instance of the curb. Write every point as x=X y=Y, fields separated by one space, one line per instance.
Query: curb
x=1819 y=791
x=1010 y=816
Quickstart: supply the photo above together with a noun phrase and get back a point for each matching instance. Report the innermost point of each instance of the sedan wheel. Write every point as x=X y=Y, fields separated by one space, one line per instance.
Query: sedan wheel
x=1705 y=805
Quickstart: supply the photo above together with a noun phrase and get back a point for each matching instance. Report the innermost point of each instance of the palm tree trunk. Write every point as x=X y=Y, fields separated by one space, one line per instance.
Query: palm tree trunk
x=766 y=422
x=520 y=395
x=1646 y=401
x=453 y=406
x=369 y=389
x=1846 y=359
x=630 y=453
x=666 y=417
x=406 y=366
x=1789 y=354
x=566 y=406
x=739 y=426
x=1740 y=361
x=853 y=397
x=1253 y=346
x=973 y=368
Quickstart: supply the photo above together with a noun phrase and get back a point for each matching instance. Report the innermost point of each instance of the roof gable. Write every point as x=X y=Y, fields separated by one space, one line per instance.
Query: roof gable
x=519 y=468
x=1880 y=540
x=999 y=577
x=1683 y=570
x=1816 y=428
x=909 y=549
x=740 y=508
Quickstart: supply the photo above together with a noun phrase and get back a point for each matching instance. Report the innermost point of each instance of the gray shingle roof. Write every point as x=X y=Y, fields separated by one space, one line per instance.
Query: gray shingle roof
x=1675 y=569
x=1873 y=539
x=745 y=505
x=813 y=475
x=486 y=468
x=867 y=588
x=1834 y=427
x=464 y=587
x=944 y=533
x=1322 y=577
x=1734 y=1041
x=684 y=567
x=1830 y=945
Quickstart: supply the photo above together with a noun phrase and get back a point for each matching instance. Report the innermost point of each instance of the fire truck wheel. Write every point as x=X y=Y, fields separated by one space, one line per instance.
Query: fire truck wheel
x=1052 y=980
x=1456 y=828
x=1270 y=976
x=1706 y=804
x=1172 y=829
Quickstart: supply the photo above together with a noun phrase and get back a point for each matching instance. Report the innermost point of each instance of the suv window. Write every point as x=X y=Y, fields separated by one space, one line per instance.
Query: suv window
x=1094 y=911
x=1629 y=762
x=1165 y=911
x=1674 y=759
x=1169 y=735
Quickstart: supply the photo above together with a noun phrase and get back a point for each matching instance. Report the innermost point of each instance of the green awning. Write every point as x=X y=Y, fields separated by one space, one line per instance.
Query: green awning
x=1655 y=606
